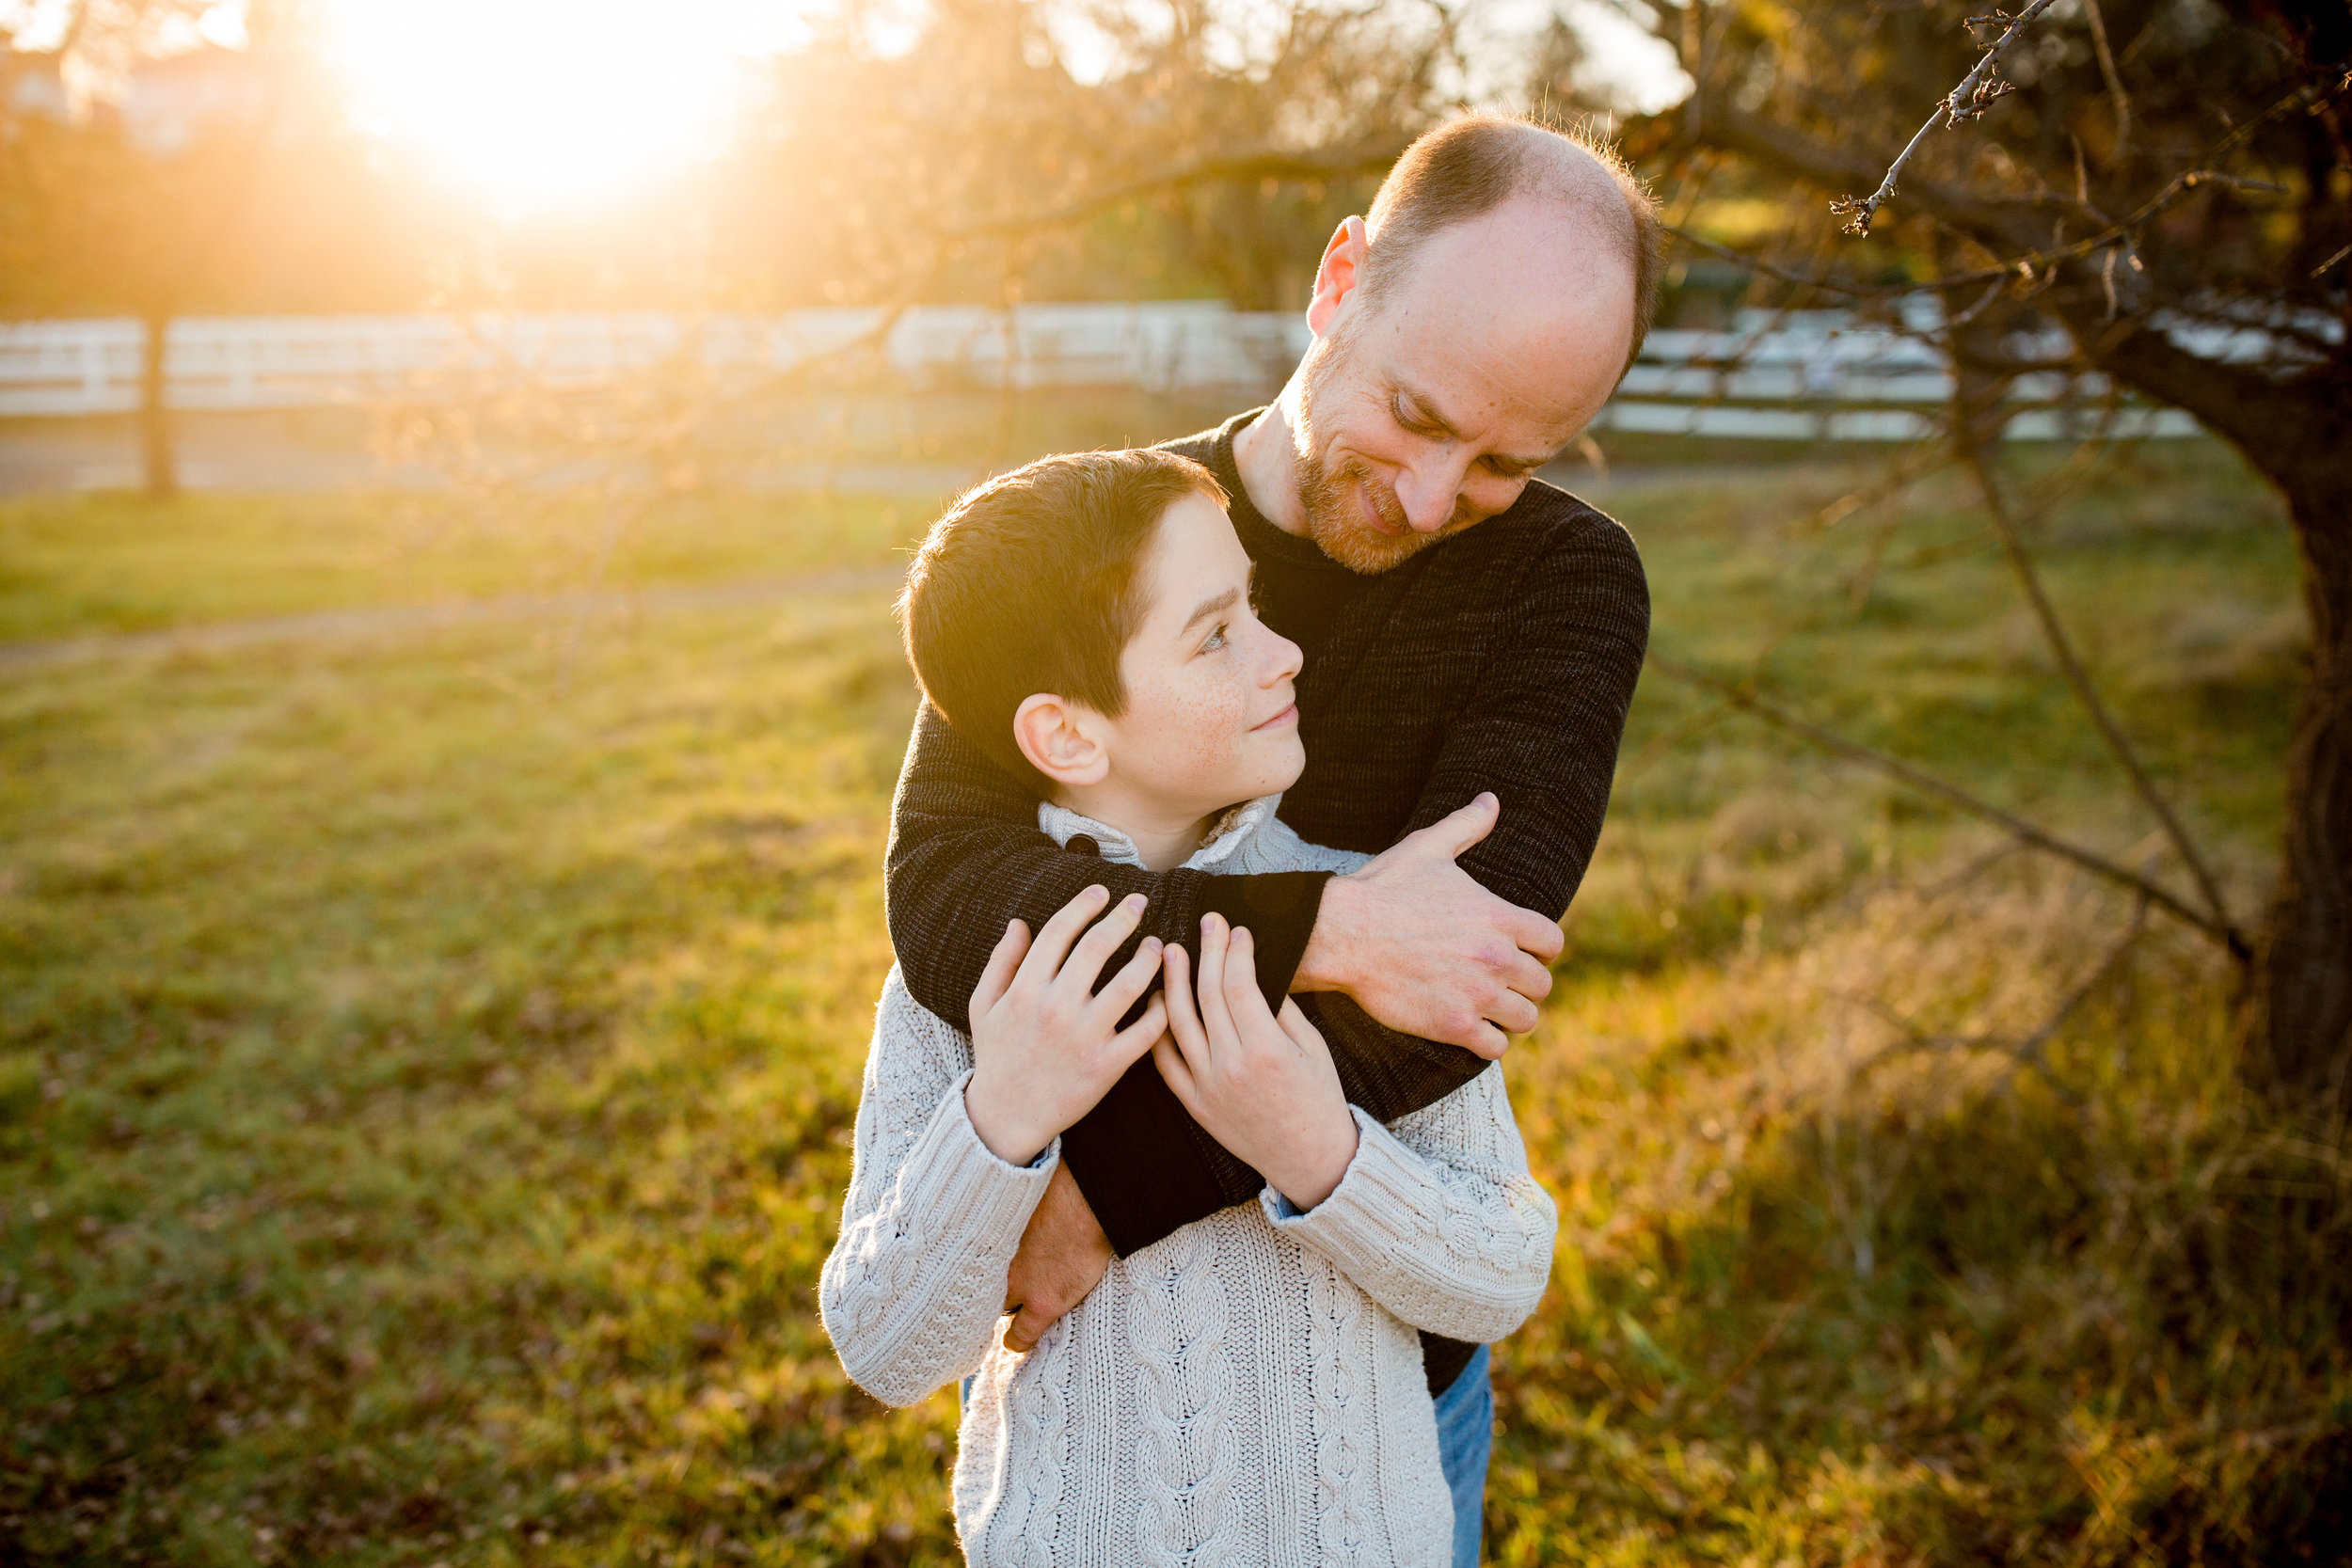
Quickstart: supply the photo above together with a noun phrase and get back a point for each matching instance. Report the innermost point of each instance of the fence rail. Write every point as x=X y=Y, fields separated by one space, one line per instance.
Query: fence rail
x=1802 y=377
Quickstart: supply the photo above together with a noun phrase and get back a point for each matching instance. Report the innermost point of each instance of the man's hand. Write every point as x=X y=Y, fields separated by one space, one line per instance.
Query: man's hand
x=1063 y=1255
x=1263 y=1087
x=1425 y=949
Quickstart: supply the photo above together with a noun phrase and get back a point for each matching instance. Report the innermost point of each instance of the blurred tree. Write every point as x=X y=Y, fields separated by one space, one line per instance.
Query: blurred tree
x=947 y=168
x=146 y=171
x=2169 y=185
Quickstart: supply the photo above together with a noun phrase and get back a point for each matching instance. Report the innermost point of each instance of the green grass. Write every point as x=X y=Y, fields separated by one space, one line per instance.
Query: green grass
x=426 y=1061
x=93 y=565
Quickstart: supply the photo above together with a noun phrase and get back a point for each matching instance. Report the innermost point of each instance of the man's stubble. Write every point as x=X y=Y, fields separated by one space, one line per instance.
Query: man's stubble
x=1329 y=495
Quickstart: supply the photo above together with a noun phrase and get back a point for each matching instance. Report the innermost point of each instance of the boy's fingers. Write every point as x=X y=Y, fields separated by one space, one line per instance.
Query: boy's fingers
x=998 y=977
x=1184 y=1013
x=1131 y=982
x=1302 y=1034
x=1216 y=1019
x=1133 y=1041
x=1171 y=1061
x=1242 y=996
x=1054 y=937
x=1101 y=940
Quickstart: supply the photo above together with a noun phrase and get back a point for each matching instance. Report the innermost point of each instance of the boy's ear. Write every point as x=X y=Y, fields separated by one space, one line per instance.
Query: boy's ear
x=1061 y=740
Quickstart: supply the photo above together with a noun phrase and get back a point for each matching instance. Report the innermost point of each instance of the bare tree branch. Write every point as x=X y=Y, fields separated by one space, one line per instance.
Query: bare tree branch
x=1927 y=783
x=1964 y=102
x=2062 y=648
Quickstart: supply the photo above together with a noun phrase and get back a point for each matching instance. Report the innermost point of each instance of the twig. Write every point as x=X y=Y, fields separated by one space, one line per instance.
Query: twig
x=1950 y=793
x=2034 y=1050
x=1781 y=1320
x=2114 y=80
x=1964 y=102
x=2062 y=648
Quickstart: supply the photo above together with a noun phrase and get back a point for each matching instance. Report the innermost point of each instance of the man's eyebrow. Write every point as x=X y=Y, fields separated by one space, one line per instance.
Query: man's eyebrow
x=1427 y=413
x=1214 y=606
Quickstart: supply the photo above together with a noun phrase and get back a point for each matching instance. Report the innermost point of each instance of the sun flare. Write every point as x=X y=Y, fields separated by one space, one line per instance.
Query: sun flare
x=544 y=101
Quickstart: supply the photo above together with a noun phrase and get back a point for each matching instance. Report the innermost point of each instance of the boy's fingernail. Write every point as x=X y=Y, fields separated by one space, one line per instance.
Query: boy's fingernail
x=1098 y=891
x=1152 y=946
x=1136 y=902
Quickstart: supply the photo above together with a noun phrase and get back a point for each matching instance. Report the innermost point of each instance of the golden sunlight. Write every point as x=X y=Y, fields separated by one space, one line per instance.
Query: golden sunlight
x=544 y=101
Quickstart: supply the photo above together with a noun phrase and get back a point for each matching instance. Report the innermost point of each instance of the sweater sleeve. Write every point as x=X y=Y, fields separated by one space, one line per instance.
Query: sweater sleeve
x=965 y=857
x=1438 y=1219
x=911 y=1290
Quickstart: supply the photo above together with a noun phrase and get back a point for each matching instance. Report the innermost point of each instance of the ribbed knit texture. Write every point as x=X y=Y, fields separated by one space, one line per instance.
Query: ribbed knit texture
x=1246 y=1390
x=1503 y=659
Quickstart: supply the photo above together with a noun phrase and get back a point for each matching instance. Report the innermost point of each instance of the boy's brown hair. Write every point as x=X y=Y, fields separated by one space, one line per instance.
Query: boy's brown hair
x=1028 y=584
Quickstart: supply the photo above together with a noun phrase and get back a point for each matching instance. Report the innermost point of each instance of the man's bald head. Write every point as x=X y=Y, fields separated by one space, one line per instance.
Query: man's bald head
x=1471 y=166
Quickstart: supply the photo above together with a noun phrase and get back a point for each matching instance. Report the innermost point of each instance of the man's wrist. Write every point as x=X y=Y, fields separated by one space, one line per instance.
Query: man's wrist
x=1324 y=963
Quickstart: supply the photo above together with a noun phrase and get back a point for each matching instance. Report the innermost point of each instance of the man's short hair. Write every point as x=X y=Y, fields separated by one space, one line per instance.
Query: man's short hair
x=1467 y=167
x=1028 y=584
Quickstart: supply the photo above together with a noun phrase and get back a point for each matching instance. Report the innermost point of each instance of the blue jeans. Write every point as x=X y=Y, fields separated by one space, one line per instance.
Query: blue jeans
x=1465 y=1441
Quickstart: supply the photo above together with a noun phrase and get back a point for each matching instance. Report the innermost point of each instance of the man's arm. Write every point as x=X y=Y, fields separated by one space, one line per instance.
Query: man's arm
x=965 y=857
x=1542 y=732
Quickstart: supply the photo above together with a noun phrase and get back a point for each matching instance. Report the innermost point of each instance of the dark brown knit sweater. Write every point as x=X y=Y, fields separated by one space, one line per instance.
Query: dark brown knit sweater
x=1503 y=659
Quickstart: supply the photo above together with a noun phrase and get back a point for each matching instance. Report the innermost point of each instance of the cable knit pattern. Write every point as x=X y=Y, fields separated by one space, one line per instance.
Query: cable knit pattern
x=1248 y=1389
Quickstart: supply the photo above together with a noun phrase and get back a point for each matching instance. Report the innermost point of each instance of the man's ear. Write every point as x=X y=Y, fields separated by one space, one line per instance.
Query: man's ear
x=1061 y=740
x=1341 y=269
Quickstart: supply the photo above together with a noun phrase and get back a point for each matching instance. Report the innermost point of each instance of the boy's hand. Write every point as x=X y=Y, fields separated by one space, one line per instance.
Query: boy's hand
x=1263 y=1087
x=1423 y=947
x=1044 y=1047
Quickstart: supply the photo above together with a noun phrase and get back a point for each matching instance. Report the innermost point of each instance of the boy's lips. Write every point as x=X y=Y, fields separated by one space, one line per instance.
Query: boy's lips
x=1288 y=715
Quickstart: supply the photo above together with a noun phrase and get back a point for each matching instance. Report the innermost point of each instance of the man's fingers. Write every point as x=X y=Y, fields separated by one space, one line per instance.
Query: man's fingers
x=1094 y=949
x=1485 y=1041
x=1456 y=832
x=1527 y=978
x=1028 y=1326
x=1536 y=935
x=1002 y=965
x=1513 y=1013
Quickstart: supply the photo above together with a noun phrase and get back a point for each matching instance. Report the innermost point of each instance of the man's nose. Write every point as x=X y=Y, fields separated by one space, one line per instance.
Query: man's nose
x=1428 y=490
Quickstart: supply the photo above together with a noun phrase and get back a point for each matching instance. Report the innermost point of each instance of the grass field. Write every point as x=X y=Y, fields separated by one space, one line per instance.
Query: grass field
x=427 y=1057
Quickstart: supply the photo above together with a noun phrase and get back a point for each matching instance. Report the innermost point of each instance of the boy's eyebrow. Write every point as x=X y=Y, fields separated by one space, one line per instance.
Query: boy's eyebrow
x=1214 y=606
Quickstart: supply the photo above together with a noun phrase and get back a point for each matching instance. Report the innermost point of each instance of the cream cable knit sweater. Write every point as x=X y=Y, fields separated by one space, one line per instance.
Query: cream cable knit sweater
x=1247 y=1390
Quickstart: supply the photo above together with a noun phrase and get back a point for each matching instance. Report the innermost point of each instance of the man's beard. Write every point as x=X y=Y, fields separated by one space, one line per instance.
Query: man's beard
x=1329 y=495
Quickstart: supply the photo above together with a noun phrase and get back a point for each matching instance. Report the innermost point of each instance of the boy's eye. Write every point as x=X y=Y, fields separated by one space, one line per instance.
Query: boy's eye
x=1216 y=640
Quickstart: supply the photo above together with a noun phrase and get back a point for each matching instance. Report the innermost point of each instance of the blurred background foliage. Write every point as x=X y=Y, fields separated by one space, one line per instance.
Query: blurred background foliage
x=438 y=924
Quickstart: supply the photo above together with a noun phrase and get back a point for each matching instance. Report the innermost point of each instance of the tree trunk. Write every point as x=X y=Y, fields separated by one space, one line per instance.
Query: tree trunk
x=2300 y=1047
x=162 y=473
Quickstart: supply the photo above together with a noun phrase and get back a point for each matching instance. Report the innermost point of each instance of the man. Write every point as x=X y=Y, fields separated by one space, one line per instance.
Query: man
x=1468 y=631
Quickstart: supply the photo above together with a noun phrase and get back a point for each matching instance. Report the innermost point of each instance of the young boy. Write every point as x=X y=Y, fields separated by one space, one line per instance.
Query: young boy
x=1249 y=1389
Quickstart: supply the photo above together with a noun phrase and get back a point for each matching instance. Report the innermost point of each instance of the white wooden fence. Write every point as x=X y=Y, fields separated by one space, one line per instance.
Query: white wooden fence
x=1803 y=376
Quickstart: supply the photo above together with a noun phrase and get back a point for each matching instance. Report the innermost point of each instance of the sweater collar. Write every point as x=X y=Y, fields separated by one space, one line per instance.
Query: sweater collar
x=1225 y=838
